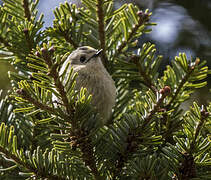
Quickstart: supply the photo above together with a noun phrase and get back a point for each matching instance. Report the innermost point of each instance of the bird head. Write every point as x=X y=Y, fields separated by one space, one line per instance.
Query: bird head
x=85 y=55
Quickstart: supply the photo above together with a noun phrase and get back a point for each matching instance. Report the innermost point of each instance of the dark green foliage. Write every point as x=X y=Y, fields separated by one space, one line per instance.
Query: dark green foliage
x=48 y=132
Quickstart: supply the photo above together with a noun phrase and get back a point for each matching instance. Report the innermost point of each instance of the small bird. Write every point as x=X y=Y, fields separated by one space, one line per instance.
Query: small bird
x=93 y=76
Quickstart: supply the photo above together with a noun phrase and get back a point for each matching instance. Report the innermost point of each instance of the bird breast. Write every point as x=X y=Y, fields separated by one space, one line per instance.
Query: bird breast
x=102 y=88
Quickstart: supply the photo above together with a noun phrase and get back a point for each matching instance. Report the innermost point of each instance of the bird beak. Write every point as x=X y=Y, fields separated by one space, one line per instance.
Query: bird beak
x=98 y=53
x=95 y=55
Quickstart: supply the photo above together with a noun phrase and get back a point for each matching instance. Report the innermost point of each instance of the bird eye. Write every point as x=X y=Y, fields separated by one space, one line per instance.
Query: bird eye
x=82 y=59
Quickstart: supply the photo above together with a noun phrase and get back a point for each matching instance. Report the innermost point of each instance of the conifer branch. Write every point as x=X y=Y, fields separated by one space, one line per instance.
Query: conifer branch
x=88 y=156
x=27 y=13
x=67 y=37
x=183 y=81
x=133 y=139
x=101 y=31
x=204 y=115
x=147 y=81
x=143 y=17
x=167 y=134
x=187 y=169
x=36 y=103
x=164 y=92
x=4 y=42
x=36 y=171
x=28 y=39
x=59 y=86
x=85 y=145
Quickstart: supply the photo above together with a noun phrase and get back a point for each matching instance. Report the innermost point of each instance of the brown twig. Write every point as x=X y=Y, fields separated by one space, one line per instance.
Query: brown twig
x=27 y=13
x=101 y=31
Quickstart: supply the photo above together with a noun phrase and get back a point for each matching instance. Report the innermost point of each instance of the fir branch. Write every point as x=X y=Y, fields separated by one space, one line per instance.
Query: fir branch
x=5 y=164
x=167 y=134
x=133 y=139
x=28 y=39
x=187 y=169
x=101 y=31
x=26 y=165
x=147 y=81
x=4 y=42
x=88 y=156
x=164 y=92
x=55 y=75
x=204 y=115
x=36 y=103
x=143 y=17
x=27 y=13
x=183 y=81
x=68 y=38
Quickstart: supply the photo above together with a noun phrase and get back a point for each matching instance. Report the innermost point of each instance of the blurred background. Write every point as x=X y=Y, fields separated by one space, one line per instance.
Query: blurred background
x=182 y=26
